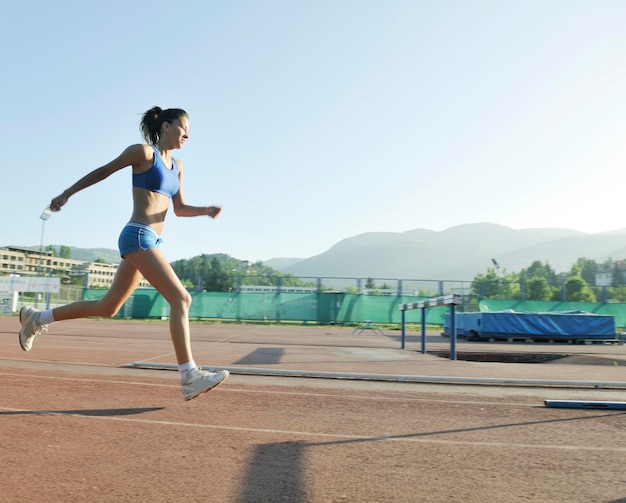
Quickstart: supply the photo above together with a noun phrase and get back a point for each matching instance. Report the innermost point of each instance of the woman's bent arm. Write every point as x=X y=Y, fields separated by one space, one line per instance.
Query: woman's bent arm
x=182 y=209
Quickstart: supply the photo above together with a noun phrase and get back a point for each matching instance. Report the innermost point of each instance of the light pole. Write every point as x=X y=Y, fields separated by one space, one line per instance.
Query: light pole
x=45 y=215
x=495 y=263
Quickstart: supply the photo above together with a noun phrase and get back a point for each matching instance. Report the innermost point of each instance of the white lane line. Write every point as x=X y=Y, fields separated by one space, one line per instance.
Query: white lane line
x=332 y=438
x=380 y=398
x=342 y=396
x=28 y=364
x=164 y=355
x=227 y=388
x=238 y=334
x=83 y=379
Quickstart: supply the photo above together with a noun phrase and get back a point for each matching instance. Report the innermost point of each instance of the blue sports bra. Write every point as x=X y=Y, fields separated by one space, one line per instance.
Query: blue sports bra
x=158 y=178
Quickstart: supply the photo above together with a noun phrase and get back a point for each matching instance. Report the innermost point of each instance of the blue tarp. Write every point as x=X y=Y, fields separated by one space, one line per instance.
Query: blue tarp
x=569 y=325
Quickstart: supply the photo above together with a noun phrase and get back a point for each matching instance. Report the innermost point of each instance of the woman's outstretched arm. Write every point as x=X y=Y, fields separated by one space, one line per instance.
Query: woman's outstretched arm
x=132 y=156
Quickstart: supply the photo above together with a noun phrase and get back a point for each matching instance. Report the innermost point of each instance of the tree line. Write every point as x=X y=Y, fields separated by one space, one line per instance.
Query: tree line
x=541 y=282
x=222 y=273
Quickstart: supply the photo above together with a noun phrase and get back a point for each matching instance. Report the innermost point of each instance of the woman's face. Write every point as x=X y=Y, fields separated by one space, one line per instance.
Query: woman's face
x=177 y=132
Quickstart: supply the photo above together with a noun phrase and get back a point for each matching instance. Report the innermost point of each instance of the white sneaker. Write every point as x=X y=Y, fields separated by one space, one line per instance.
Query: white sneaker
x=197 y=382
x=30 y=327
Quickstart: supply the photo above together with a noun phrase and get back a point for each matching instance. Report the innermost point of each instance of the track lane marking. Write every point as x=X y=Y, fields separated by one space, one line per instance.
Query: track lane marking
x=335 y=437
x=228 y=388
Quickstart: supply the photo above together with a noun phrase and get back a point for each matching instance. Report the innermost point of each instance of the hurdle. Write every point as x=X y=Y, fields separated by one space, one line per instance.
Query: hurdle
x=451 y=300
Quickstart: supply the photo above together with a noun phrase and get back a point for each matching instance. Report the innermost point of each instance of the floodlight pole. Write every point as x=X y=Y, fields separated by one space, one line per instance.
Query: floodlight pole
x=45 y=215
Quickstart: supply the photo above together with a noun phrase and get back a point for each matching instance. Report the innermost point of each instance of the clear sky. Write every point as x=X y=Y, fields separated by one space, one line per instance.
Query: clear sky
x=316 y=120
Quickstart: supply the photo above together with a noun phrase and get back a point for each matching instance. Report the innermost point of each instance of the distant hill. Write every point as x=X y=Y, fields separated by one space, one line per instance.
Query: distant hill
x=457 y=253
x=93 y=254
x=281 y=263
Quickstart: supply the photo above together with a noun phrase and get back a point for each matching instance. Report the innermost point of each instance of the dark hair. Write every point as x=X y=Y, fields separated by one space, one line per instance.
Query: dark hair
x=154 y=118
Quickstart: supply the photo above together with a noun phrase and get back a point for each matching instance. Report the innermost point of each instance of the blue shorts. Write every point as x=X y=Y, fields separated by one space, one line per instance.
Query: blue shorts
x=135 y=236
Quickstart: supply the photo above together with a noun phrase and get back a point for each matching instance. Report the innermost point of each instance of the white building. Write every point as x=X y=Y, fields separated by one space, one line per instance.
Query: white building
x=29 y=262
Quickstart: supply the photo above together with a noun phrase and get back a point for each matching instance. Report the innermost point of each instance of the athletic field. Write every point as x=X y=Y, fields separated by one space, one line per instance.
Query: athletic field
x=79 y=425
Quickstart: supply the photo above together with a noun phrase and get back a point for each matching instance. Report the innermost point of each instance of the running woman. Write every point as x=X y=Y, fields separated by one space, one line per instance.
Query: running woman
x=157 y=179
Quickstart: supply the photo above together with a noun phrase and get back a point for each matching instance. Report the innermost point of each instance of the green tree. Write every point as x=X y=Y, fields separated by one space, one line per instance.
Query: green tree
x=539 y=270
x=510 y=286
x=588 y=269
x=577 y=289
x=541 y=281
x=65 y=252
x=219 y=279
x=538 y=289
x=489 y=283
x=618 y=276
x=187 y=284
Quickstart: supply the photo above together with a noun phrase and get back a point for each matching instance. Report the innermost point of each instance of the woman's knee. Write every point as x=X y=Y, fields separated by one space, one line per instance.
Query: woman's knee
x=107 y=309
x=182 y=299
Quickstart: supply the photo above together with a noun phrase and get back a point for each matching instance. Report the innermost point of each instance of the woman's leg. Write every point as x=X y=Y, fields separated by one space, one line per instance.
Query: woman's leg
x=157 y=270
x=35 y=322
x=126 y=280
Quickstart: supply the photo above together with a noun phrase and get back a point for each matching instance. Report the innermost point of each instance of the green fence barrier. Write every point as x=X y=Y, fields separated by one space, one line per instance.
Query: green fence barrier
x=143 y=303
x=328 y=307
x=356 y=308
x=255 y=306
x=148 y=303
x=323 y=307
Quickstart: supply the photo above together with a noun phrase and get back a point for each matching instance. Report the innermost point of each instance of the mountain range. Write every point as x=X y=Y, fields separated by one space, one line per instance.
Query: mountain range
x=458 y=253
x=455 y=254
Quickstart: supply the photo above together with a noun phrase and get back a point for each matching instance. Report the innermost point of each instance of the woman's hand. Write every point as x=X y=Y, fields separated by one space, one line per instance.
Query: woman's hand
x=213 y=211
x=58 y=202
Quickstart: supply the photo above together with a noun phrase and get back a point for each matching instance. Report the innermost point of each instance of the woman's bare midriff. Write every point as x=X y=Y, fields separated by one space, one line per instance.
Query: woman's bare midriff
x=149 y=208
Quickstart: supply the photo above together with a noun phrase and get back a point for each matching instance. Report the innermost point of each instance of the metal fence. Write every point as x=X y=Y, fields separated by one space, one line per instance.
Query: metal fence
x=344 y=300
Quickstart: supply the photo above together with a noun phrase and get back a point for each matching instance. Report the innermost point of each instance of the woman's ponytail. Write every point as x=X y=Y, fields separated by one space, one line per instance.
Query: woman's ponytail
x=151 y=126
